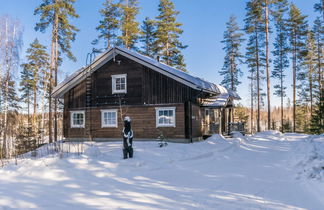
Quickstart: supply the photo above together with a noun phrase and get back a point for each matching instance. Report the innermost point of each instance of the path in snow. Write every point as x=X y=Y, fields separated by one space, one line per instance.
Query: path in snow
x=256 y=172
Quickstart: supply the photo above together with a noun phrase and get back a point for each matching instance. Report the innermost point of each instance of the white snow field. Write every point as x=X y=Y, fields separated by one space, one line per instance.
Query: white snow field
x=269 y=170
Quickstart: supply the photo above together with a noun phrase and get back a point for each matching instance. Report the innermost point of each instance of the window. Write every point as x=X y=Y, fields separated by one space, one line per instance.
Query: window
x=109 y=118
x=119 y=83
x=77 y=119
x=165 y=117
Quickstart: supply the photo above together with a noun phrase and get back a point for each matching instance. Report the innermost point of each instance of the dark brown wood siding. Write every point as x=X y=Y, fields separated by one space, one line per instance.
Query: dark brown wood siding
x=143 y=123
x=146 y=89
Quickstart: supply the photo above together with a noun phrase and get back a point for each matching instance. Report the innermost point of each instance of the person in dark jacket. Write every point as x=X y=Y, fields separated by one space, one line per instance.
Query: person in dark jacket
x=127 y=138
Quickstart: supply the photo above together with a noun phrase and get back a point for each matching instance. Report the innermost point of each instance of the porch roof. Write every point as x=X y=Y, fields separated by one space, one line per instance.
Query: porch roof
x=219 y=101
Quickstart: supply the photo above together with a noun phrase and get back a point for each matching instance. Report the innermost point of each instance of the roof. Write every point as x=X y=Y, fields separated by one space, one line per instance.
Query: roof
x=182 y=77
x=217 y=101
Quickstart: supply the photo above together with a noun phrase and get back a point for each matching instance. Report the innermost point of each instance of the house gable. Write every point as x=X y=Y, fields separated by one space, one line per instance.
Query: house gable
x=182 y=77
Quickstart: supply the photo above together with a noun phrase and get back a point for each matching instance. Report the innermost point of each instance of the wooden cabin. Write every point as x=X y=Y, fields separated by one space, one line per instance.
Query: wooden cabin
x=158 y=99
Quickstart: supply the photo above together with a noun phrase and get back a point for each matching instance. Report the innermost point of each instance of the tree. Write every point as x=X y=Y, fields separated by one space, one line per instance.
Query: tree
x=233 y=57
x=317 y=121
x=148 y=38
x=318 y=30
x=10 y=46
x=26 y=89
x=109 y=24
x=281 y=61
x=319 y=7
x=168 y=45
x=266 y=8
x=255 y=58
x=37 y=63
x=307 y=74
x=128 y=24
x=297 y=28
x=56 y=13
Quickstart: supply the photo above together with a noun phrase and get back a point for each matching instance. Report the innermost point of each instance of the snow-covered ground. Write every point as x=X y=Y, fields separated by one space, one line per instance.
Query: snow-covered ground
x=266 y=171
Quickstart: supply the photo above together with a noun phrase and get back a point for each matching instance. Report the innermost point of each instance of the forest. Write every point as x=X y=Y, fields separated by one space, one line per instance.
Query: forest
x=30 y=117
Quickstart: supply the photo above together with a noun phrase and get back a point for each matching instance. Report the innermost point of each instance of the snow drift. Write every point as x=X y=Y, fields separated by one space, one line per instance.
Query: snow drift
x=245 y=172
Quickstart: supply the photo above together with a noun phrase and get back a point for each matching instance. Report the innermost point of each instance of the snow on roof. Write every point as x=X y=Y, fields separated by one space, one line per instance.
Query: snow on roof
x=216 y=101
x=183 y=77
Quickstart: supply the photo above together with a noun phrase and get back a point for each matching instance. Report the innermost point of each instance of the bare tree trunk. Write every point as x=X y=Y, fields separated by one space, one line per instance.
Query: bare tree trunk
x=267 y=61
x=55 y=82
x=294 y=84
x=28 y=109
x=52 y=70
x=35 y=107
x=251 y=102
x=43 y=110
x=319 y=63
x=258 y=80
x=311 y=90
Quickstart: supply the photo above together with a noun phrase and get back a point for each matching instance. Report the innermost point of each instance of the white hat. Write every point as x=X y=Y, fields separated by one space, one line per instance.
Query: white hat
x=127 y=119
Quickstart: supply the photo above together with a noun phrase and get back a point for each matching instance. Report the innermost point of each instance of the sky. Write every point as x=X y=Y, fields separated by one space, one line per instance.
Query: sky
x=203 y=25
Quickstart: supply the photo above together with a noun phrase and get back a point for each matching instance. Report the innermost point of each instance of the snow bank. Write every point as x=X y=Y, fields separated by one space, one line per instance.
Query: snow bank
x=244 y=172
x=309 y=158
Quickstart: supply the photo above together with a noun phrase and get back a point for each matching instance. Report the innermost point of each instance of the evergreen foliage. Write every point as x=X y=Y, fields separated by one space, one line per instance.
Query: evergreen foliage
x=280 y=52
x=57 y=13
x=147 y=38
x=26 y=88
x=317 y=120
x=319 y=7
x=128 y=24
x=307 y=73
x=255 y=56
x=25 y=140
x=11 y=94
x=66 y=32
x=168 y=46
x=318 y=30
x=297 y=28
x=233 y=57
x=109 y=24
x=37 y=63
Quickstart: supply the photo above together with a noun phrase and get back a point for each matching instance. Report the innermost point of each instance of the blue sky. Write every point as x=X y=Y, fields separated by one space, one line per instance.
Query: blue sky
x=203 y=25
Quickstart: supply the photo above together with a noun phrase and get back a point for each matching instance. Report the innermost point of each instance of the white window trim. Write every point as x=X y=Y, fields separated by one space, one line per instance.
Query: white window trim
x=113 y=83
x=157 y=109
x=72 y=122
x=102 y=118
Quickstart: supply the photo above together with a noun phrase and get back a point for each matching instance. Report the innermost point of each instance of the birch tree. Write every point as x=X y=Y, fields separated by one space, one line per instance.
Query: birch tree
x=10 y=46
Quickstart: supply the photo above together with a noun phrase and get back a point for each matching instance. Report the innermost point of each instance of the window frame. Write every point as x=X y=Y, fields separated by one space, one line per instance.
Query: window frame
x=157 y=109
x=103 y=125
x=113 y=83
x=72 y=121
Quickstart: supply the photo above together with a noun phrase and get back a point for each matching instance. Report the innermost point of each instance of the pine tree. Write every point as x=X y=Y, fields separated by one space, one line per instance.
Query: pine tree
x=147 y=38
x=255 y=57
x=232 y=40
x=168 y=45
x=307 y=74
x=128 y=24
x=318 y=30
x=297 y=28
x=281 y=61
x=109 y=24
x=319 y=7
x=37 y=62
x=57 y=13
x=317 y=121
x=26 y=88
